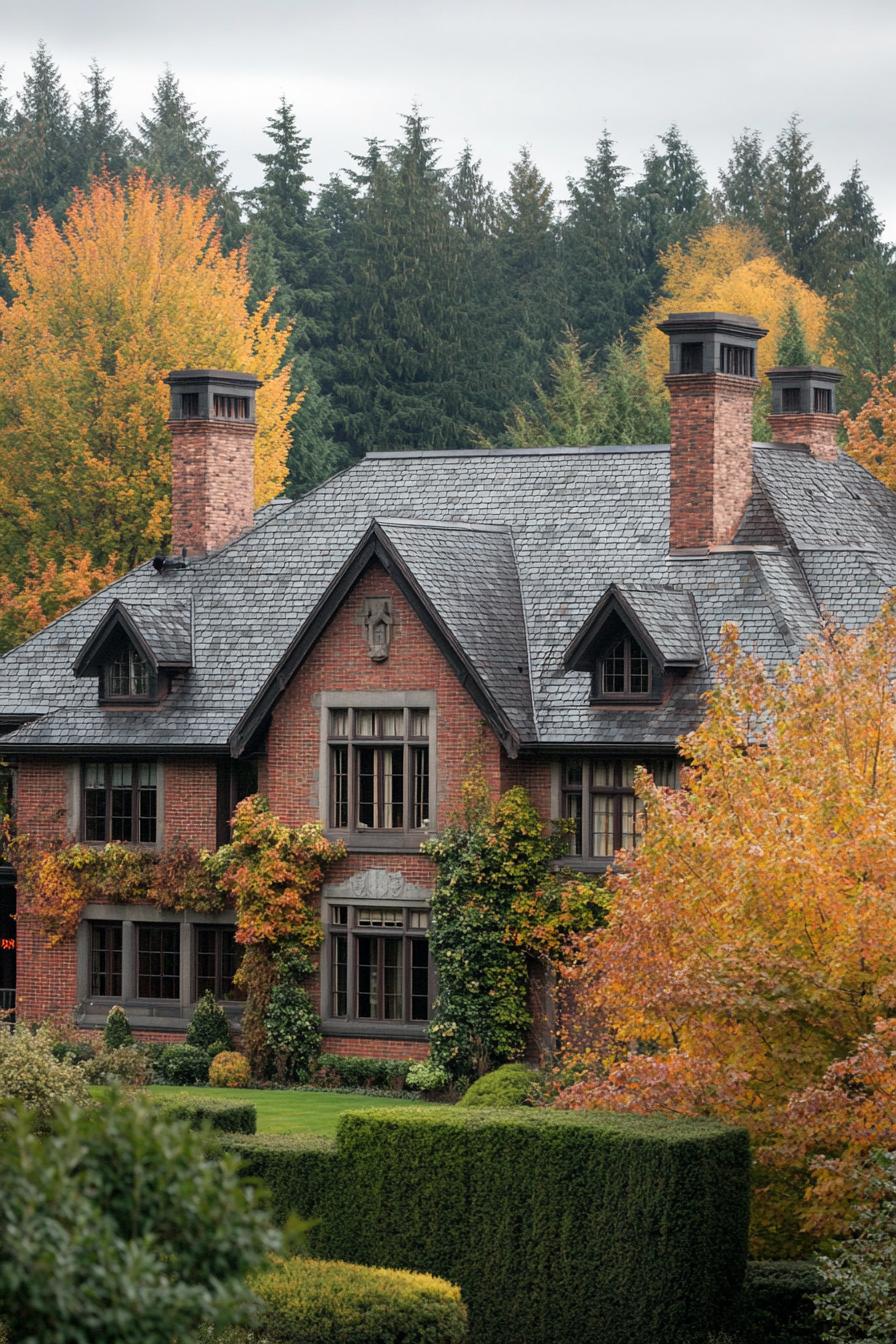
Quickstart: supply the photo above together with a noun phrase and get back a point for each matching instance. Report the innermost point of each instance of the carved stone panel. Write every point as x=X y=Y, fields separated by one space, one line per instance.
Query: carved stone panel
x=375 y=884
x=376 y=617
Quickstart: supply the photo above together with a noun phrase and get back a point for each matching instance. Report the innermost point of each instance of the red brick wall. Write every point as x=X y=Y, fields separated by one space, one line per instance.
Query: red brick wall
x=817 y=432
x=711 y=457
x=212 y=494
x=191 y=801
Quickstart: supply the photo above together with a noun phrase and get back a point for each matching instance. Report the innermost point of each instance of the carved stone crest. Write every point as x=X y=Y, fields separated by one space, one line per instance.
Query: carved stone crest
x=377 y=619
x=376 y=884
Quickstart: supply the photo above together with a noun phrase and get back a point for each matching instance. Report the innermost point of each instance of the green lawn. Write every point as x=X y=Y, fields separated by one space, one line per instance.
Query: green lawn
x=288 y=1112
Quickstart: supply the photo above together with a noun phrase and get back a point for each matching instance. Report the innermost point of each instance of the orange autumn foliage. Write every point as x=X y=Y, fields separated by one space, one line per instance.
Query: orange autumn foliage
x=132 y=284
x=751 y=941
x=871 y=432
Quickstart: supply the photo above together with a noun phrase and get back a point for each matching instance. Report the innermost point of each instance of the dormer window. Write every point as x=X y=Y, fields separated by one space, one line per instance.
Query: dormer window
x=624 y=669
x=128 y=677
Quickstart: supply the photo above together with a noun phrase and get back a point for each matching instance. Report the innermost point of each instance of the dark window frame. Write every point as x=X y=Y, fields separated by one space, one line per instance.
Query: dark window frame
x=579 y=790
x=111 y=973
x=344 y=934
x=346 y=746
x=625 y=696
x=137 y=815
x=149 y=696
x=143 y=930
x=222 y=977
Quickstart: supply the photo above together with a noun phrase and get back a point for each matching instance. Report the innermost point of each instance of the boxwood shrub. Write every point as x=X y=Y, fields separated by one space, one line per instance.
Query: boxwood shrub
x=777 y=1304
x=319 y=1302
x=557 y=1226
x=358 y=1071
x=510 y=1085
x=300 y=1170
x=231 y=1117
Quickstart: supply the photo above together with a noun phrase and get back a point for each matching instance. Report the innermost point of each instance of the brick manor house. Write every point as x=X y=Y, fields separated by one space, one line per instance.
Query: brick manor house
x=343 y=653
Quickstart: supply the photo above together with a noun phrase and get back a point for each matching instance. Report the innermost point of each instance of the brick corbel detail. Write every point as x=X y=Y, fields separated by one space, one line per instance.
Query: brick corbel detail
x=212 y=483
x=711 y=457
x=816 y=432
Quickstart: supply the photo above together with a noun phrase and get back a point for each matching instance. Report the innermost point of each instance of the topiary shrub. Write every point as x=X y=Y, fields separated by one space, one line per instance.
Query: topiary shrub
x=298 y=1169
x=122 y=1227
x=229 y=1069
x=30 y=1073
x=553 y=1223
x=182 y=1066
x=209 y=1029
x=128 y=1065
x=425 y=1076
x=511 y=1085
x=230 y=1117
x=117 y=1030
x=318 y=1302
x=778 y=1304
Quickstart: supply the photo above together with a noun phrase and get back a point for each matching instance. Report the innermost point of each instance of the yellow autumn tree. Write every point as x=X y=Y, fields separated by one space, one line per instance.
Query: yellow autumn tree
x=132 y=284
x=871 y=432
x=729 y=269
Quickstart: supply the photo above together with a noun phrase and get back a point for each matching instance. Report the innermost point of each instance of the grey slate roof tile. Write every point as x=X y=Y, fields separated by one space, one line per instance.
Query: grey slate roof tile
x=561 y=526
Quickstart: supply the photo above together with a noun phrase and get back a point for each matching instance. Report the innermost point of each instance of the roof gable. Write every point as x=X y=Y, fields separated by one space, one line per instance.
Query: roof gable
x=663 y=620
x=162 y=635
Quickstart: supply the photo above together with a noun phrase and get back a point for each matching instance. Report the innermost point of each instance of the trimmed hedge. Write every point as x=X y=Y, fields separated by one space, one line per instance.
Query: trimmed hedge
x=510 y=1085
x=231 y=1117
x=300 y=1170
x=320 y=1302
x=777 y=1305
x=359 y=1071
x=558 y=1226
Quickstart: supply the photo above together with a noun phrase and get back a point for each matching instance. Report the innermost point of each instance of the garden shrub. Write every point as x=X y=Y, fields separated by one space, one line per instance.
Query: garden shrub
x=73 y=1052
x=548 y=1220
x=320 y=1302
x=31 y=1074
x=229 y=1069
x=231 y=1117
x=117 y=1030
x=427 y=1076
x=81 y=1259
x=299 y=1170
x=182 y=1066
x=291 y=1022
x=511 y=1085
x=778 y=1303
x=359 y=1072
x=209 y=1029
x=128 y=1064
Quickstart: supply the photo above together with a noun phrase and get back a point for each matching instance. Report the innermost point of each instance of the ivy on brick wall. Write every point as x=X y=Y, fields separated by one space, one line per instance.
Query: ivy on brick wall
x=498 y=901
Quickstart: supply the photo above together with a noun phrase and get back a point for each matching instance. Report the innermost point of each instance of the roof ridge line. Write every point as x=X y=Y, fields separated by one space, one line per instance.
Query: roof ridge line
x=503 y=529
x=557 y=451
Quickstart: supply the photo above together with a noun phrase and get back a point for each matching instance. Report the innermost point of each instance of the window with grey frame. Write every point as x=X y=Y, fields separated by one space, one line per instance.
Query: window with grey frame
x=378 y=964
x=378 y=769
x=158 y=968
x=119 y=801
x=598 y=799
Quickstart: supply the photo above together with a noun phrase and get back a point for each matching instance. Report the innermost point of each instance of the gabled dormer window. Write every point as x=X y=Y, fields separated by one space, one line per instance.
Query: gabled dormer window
x=623 y=670
x=128 y=677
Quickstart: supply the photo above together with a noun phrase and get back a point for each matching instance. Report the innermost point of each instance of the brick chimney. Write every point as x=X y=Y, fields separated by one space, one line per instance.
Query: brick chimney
x=212 y=424
x=804 y=409
x=711 y=382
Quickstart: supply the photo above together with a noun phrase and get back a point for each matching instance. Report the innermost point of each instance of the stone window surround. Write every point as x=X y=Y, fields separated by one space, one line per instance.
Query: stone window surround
x=380 y=842
x=75 y=799
x=373 y=886
x=153 y=1014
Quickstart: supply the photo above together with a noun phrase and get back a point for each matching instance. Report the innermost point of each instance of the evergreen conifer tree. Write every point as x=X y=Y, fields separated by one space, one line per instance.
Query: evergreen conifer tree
x=632 y=408
x=597 y=260
x=101 y=144
x=863 y=325
x=743 y=184
x=669 y=204
x=39 y=159
x=856 y=227
x=792 y=350
x=173 y=145
x=798 y=207
x=288 y=253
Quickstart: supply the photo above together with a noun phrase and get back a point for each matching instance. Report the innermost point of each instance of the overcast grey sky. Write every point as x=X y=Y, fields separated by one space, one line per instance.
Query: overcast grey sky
x=501 y=73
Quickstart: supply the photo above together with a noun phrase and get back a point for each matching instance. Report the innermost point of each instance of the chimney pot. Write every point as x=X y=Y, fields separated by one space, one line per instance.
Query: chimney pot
x=212 y=424
x=711 y=382
x=804 y=408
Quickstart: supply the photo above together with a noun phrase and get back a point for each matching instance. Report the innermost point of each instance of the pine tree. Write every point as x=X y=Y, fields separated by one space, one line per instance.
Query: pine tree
x=603 y=294
x=173 y=145
x=101 y=144
x=798 y=207
x=529 y=267
x=288 y=254
x=863 y=325
x=856 y=226
x=792 y=351
x=743 y=184
x=39 y=166
x=668 y=204
x=632 y=410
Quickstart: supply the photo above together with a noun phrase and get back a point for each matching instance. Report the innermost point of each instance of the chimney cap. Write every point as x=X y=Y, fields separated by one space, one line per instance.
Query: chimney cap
x=817 y=372
x=727 y=323
x=247 y=380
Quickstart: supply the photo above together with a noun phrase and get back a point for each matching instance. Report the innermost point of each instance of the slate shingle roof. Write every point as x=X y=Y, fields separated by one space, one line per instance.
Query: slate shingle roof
x=670 y=618
x=560 y=526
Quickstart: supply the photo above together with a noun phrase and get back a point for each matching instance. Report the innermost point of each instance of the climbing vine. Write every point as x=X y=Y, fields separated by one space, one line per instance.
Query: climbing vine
x=498 y=901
